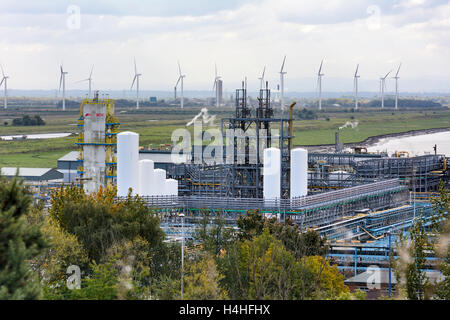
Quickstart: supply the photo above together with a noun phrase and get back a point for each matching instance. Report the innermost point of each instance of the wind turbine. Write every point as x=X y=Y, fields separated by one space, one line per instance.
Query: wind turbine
x=216 y=87
x=90 y=82
x=319 y=84
x=180 y=79
x=261 y=86
x=136 y=79
x=282 y=73
x=5 y=79
x=396 y=86
x=355 y=85
x=62 y=81
x=382 y=87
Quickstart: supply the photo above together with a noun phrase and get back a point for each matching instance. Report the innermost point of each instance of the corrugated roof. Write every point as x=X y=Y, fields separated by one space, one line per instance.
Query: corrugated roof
x=25 y=172
x=383 y=277
x=71 y=156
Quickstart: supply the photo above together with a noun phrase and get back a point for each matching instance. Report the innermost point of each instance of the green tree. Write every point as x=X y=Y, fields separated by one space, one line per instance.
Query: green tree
x=308 y=243
x=98 y=221
x=320 y=280
x=201 y=281
x=102 y=285
x=441 y=248
x=261 y=268
x=213 y=234
x=19 y=243
x=167 y=288
x=409 y=266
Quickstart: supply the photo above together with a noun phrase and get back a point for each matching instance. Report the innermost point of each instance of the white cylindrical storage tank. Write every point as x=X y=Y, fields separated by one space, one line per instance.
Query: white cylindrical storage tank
x=299 y=172
x=146 y=183
x=159 y=179
x=127 y=162
x=171 y=187
x=272 y=174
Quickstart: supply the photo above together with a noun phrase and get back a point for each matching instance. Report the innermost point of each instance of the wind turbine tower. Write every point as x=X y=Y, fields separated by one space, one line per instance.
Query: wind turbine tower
x=282 y=73
x=355 y=85
x=181 y=81
x=319 y=84
x=383 y=87
x=217 y=88
x=62 y=82
x=261 y=85
x=5 y=80
x=136 y=79
x=90 y=82
x=396 y=86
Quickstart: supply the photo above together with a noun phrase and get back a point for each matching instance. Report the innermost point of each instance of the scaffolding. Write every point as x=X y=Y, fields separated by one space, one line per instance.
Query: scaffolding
x=341 y=170
x=309 y=211
x=420 y=173
x=96 y=141
x=240 y=175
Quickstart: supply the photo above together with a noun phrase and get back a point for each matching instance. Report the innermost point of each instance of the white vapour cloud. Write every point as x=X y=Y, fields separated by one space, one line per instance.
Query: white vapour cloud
x=353 y=125
x=206 y=118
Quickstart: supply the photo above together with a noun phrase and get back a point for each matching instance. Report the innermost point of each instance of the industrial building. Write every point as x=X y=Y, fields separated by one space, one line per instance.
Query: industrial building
x=33 y=174
x=68 y=166
x=40 y=181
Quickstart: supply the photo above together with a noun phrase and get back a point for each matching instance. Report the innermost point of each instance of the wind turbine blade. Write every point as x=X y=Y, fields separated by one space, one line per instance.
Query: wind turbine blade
x=92 y=69
x=179 y=78
x=387 y=74
x=320 y=68
x=282 y=66
x=132 y=84
x=2 y=81
x=179 y=68
x=264 y=71
x=357 y=67
x=398 y=70
x=3 y=72
x=60 y=81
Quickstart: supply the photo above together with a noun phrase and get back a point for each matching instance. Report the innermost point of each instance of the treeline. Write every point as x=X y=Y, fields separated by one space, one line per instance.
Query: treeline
x=376 y=103
x=70 y=104
x=304 y=114
x=404 y=103
x=28 y=121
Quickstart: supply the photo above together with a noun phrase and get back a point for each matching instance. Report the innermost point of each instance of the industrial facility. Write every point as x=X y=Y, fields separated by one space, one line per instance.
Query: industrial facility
x=97 y=141
x=356 y=200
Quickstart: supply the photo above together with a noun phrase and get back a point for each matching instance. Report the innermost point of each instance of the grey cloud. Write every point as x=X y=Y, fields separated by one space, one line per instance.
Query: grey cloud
x=122 y=7
x=324 y=12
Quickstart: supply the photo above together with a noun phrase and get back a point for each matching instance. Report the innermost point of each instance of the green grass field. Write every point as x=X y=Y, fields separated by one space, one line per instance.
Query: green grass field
x=44 y=153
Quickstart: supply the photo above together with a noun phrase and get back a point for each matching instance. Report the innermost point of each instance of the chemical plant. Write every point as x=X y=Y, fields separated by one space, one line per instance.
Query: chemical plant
x=354 y=199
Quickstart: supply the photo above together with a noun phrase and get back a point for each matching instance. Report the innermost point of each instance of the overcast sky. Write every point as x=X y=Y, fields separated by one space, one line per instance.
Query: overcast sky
x=241 y=36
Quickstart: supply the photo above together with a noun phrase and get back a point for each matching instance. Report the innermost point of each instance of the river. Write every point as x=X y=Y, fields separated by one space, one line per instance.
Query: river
x=418 y=144
x=37 y=136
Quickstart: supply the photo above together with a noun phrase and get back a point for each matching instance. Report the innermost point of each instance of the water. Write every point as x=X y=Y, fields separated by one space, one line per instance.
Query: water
x=416 y=145
x=37 y=136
